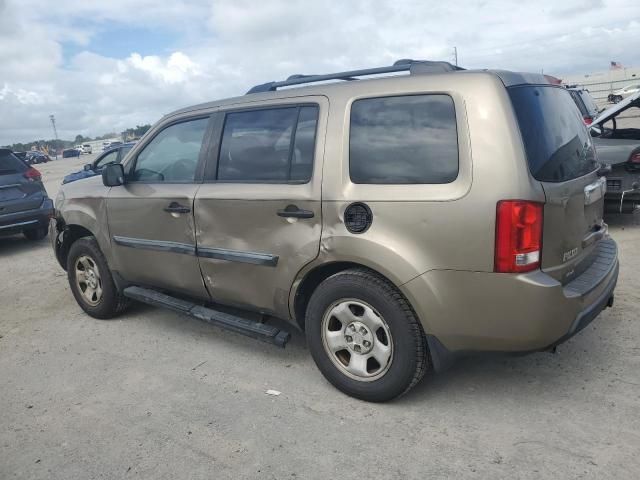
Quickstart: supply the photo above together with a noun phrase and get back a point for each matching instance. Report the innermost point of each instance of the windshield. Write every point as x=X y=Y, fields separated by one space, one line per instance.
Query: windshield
x=557 y=144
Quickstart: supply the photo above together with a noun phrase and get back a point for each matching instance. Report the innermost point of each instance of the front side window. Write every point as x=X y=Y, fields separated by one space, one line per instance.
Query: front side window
x=172 y=155
x=268 y=145
x=409 y=139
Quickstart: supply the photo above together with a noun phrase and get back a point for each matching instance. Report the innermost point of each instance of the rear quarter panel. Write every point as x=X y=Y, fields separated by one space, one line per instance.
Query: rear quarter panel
x=420 y=228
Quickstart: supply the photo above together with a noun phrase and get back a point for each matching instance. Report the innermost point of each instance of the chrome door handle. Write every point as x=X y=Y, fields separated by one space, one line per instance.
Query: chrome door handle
x=175 y=207
x=292 y=211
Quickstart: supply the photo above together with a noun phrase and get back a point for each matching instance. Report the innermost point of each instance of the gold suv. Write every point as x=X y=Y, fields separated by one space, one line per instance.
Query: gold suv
x=399 y=216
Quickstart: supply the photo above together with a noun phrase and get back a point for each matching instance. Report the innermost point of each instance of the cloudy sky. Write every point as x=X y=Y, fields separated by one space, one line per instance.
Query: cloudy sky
x=106 y=65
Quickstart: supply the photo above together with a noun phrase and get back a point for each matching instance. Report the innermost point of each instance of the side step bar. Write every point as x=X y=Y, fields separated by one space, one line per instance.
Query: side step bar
x=247 y=327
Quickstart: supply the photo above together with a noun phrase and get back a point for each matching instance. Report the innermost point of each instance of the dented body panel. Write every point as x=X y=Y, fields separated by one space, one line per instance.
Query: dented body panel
x=434 y=242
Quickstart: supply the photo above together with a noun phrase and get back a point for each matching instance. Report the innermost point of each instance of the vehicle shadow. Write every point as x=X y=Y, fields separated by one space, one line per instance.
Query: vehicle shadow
x=16 y=244
x=491 y=377
x=185 y=325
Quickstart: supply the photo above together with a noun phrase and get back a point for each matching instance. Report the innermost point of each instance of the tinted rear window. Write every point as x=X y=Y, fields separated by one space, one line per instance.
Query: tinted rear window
x=588 y=102
x=273 y=145
x=557 y=143
x=403 y=140
x=10 y=164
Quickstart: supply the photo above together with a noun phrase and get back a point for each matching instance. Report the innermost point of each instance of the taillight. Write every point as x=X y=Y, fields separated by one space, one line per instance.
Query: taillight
x=635 y=158
x=587 y=120
x=33 y=175
x=518 y=236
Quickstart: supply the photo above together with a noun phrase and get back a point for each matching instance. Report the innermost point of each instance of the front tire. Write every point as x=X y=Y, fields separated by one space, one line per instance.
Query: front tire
x=91 y=281
x=365 y=337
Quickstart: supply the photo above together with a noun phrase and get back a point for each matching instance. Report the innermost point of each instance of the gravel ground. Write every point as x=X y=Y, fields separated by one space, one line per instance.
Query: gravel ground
x=156 y=395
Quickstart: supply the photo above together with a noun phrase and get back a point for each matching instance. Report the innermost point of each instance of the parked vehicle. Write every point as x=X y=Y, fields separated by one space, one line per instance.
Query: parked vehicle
x=86 y=148
x=24 y=204
x=70 y=152
x=624 y=92
x=115 y=155
x=106 y=146
x=585 y=103
x=619 y=150
x=21 y=155
x=35 y=156
x=423 y=216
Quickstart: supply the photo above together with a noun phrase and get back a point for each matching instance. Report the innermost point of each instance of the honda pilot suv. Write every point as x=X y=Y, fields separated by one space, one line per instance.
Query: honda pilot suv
x=398 y=220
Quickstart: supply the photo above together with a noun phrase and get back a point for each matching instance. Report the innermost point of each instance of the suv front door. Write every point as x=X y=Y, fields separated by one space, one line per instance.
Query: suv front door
x=258 y=215
x=151 y=215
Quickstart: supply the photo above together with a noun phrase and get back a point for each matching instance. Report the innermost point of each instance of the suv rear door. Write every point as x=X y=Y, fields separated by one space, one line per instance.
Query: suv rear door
x=18 y=191
x=258 y=215
x=562 y=158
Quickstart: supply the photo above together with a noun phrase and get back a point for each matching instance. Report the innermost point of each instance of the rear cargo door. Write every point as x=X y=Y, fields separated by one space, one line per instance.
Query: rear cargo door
x=562 y=158
x=17 y=191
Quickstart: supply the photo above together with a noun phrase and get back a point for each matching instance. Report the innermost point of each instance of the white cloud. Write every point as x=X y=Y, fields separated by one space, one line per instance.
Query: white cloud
x=178 y=68
x=225 y=47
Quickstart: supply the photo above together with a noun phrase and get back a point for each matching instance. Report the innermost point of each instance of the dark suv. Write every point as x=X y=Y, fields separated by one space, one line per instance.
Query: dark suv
x=24 y=204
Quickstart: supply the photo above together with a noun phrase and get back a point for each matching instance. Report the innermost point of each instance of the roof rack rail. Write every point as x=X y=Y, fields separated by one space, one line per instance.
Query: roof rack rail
x=412 y=66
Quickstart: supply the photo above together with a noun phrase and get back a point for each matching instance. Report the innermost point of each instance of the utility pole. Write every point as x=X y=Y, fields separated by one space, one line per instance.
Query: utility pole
x=455 y=56
x=55 y=133
x=53 y=124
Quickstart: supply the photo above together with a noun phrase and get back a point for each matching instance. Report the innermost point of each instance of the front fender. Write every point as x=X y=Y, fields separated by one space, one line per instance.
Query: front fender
x=77 y=204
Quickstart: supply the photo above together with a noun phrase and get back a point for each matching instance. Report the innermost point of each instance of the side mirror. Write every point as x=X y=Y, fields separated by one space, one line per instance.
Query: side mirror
x=88 y=167
x=113 y=175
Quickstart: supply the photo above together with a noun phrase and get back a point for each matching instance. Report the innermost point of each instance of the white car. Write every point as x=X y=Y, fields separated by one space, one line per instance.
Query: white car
x=105 y=146
x=624 y=92
x=86 y=148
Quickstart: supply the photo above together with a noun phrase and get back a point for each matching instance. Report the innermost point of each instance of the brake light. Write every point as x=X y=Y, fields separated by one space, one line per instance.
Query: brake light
x=33 y=175
x=518 y=236
x=587 y=120
x=635 y=158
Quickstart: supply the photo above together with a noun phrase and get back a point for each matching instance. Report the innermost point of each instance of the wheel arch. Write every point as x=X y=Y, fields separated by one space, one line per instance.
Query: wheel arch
x=309 y=281
x=67 y=235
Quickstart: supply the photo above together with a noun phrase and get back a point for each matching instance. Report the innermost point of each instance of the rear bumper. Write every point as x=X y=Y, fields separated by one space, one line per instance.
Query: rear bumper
x=490 y=312
x=28 y=219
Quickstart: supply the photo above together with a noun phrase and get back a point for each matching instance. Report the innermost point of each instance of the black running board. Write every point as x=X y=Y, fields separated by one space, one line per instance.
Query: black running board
x=247 y=327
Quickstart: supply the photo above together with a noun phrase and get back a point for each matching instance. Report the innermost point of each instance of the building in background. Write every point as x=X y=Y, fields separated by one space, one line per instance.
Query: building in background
x=602 y=84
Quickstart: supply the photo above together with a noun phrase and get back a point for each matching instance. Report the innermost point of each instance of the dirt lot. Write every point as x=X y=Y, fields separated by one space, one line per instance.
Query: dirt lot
x=156 y=395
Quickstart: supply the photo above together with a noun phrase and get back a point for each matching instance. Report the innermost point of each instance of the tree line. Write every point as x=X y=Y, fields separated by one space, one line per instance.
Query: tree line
x=55 y=145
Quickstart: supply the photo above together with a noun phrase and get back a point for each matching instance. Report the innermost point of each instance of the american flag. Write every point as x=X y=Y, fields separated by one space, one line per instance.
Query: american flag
x=615 y=65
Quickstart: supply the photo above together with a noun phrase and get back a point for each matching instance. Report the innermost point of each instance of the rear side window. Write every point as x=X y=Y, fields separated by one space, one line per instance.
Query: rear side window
x=579 y=103
x=556 y=142
x=588 y=102
x=10 y=164
x=403 y=140
x=268 y=145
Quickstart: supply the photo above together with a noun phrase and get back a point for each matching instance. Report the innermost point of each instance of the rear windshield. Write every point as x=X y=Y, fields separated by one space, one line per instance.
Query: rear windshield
x=10 y=164
x=557 y=143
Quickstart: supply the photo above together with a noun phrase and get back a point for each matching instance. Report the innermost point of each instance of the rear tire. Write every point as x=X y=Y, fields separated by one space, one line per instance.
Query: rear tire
x=35 y=234
x=91 y=281
x=365 y=337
